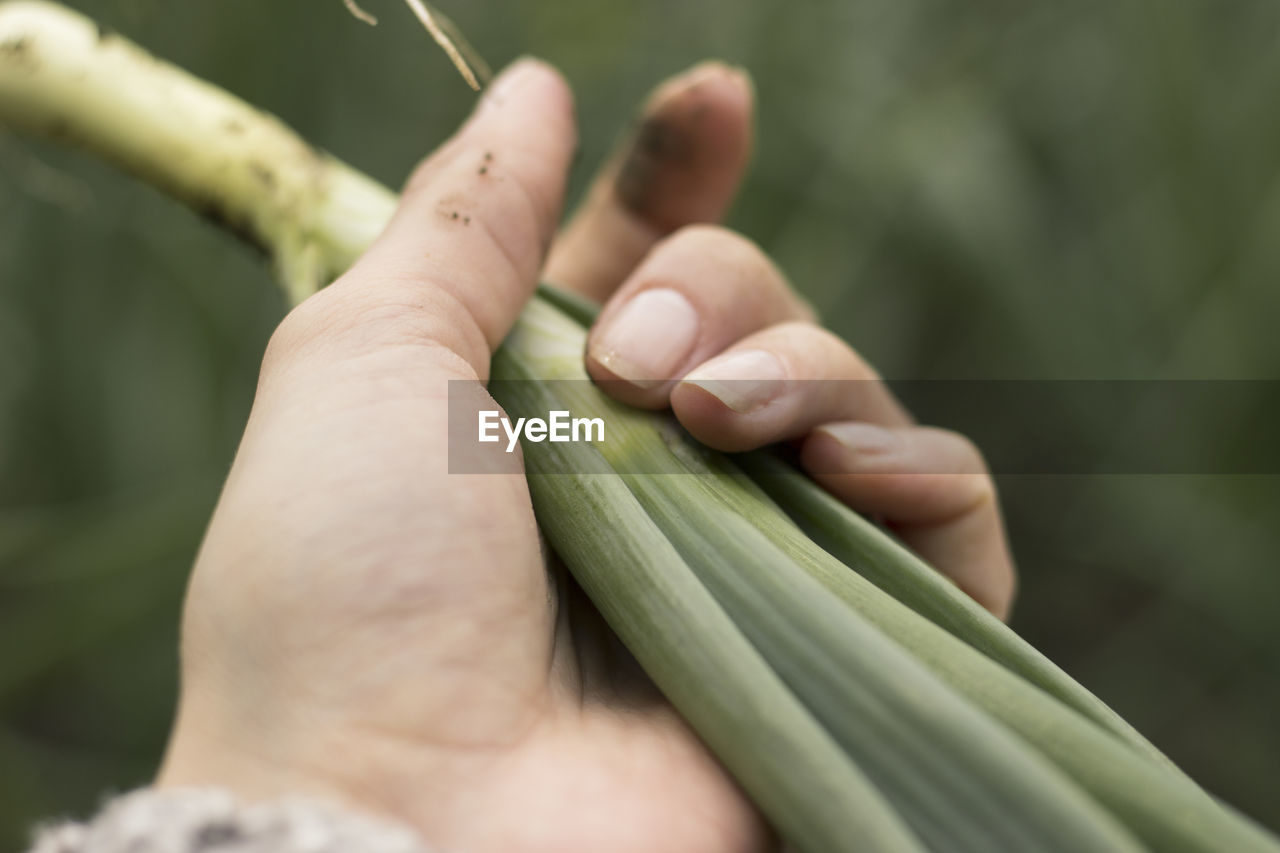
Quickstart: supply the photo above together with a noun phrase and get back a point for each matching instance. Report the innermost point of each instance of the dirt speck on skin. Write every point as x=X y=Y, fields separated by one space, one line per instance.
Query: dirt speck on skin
x=658 y=143
x=104 y=32
x=263 y=174
x=16 y=49
x=451 y=206
x=20 y=54
x=466 y=220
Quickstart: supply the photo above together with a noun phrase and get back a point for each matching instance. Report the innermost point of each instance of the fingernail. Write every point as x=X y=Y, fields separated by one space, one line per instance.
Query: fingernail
x=861 y=439
x=744 y=381
x=649 y=340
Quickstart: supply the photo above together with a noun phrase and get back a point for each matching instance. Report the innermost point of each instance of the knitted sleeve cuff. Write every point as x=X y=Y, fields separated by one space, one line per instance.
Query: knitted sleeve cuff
x=212 y=821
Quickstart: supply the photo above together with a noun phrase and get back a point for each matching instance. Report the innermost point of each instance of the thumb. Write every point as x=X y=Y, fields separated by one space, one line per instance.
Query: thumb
x=462 y=254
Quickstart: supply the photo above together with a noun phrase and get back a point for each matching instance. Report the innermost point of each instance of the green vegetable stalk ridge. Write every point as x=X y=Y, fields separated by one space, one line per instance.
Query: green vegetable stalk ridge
x=740 y=545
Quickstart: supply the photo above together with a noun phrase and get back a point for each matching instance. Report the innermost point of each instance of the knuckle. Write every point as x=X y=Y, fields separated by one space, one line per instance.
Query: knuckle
x=743 y=267
x=296 y=331
x=822 y=337
x=727 y=246
x=805 y=310
x=351 y=319
x=805 y=337
x=847 y=363
x=970 y=459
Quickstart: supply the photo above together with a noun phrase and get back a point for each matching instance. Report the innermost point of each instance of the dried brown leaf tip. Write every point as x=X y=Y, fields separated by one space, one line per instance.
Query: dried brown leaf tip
x=460 y=52
x=360 y=14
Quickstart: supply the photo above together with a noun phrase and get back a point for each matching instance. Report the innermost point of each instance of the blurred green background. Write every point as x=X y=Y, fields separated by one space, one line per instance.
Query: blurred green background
x=987 y=189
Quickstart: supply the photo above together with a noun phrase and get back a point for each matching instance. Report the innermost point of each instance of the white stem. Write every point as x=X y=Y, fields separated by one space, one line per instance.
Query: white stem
x=65 y=78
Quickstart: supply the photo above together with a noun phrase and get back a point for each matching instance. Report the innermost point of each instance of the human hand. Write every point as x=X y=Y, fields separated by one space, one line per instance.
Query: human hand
x=365 y=626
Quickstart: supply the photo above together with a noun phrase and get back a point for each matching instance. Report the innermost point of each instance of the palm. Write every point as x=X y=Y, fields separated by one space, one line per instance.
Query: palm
x=485 y=667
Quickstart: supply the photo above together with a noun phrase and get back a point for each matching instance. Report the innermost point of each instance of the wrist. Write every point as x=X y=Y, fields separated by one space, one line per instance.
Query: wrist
x=247 y=761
